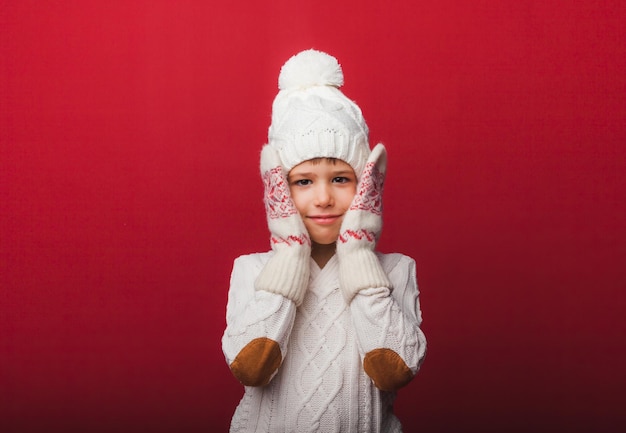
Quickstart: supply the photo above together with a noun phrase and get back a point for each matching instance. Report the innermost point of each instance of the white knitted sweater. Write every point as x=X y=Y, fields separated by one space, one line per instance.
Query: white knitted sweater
x=321 y=385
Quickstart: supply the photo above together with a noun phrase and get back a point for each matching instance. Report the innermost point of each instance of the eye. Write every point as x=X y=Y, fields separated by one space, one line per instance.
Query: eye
x=302 y=182
x=341 y=179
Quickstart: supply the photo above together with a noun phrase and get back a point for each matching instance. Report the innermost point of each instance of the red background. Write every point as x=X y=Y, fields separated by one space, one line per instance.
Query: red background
x=130 y=134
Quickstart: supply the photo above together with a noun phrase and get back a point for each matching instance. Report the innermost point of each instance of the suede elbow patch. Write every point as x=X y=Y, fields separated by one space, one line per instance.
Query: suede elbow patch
x=256 y=362
x=387 y=369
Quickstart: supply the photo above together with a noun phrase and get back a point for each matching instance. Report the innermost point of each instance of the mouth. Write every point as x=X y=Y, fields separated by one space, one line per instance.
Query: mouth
x=324 y=219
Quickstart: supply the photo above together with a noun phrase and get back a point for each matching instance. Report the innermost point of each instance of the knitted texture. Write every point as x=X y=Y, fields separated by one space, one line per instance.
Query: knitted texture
x=321 y=385
x=287 y=272
x=323 y=333
x=312 y=118
x=359 y=267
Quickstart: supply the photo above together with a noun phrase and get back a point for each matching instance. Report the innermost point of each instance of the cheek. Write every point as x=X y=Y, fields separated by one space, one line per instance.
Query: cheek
x=299 y=199
x=347 y=197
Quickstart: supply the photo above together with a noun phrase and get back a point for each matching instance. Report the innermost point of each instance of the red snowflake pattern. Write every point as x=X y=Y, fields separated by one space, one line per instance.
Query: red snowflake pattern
x=359 y=235
x=291 y=240
x=369 y=197
x=278 y=203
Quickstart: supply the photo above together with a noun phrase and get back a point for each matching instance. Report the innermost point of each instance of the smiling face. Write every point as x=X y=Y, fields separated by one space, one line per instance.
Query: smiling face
x=322 y=190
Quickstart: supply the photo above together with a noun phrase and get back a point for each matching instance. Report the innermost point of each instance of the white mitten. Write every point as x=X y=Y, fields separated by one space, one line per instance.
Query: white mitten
x=287 y=271
x=359 y=268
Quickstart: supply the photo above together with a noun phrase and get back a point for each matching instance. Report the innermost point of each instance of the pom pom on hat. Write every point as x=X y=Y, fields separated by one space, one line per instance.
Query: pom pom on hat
x=310 y=68
x=312 y=118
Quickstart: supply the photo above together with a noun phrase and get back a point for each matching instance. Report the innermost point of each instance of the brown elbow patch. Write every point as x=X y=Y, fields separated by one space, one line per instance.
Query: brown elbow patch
x=387 y=369
x=256 y=362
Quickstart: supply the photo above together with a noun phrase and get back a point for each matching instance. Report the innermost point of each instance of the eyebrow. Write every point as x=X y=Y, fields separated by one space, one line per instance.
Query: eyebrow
x=334 y=173
x=343 y=172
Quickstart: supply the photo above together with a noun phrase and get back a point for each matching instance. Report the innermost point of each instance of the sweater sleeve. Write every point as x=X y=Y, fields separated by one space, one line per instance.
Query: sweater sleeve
x=258 y=325
x=387 y=324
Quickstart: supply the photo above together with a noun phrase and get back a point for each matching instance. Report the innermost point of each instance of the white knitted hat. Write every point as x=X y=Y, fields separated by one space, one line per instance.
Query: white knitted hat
x=312 y=118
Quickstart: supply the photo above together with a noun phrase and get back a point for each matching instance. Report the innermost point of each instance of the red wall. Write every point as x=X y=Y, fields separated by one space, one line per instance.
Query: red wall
x=129 y=140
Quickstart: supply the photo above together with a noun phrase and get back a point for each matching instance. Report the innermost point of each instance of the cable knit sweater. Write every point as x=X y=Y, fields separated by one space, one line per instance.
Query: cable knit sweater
x=324 y=366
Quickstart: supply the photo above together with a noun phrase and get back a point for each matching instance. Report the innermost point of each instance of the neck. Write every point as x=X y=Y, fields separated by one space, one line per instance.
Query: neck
x=322 y=253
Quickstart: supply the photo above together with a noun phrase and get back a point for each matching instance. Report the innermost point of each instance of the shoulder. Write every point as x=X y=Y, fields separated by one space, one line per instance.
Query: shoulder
x=402 y=272
x=393 y=261
x=253 y=260
x=250 y=264
x=245 y=270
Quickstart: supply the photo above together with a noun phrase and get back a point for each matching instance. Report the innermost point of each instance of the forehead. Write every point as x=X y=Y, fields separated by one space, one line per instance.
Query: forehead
x=322 y=164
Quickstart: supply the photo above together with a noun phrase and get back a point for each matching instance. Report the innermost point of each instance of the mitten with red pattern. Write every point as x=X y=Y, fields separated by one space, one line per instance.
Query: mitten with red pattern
x=359 y=268
x=287 y=271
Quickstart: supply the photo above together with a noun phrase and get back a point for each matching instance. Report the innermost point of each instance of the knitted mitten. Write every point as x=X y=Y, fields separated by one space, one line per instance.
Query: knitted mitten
x=359 y=268
x=287 y=271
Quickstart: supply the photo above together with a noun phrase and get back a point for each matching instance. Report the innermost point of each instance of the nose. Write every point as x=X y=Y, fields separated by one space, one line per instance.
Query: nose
x=323 y=196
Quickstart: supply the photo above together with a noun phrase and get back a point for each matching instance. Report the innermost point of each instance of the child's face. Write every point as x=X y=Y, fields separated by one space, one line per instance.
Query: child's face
x=322 y=190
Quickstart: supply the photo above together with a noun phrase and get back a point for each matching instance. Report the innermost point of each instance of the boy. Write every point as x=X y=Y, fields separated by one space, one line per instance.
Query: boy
x=322 y=330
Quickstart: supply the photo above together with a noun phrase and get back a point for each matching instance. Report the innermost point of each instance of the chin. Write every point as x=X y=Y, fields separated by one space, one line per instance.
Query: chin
x=324 y=240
